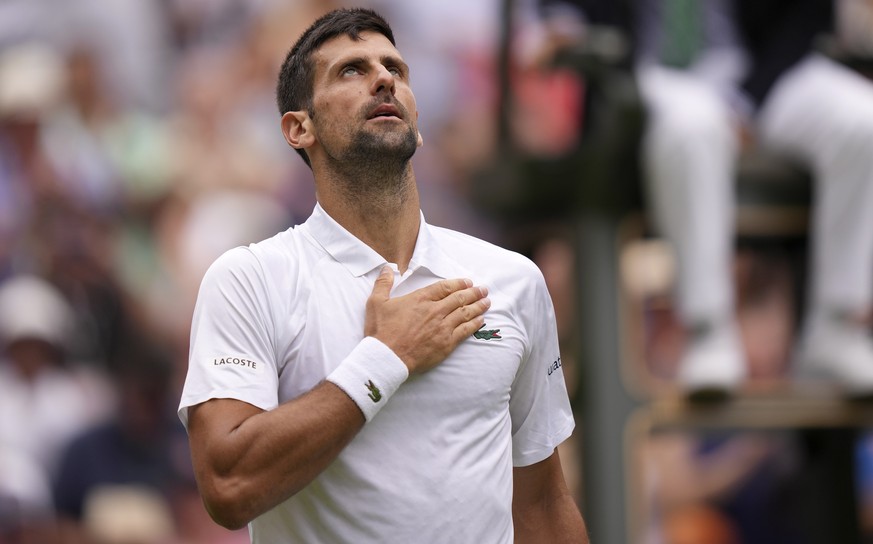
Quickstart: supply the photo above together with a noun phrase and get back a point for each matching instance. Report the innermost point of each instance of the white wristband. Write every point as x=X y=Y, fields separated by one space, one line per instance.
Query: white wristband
x=370 y=374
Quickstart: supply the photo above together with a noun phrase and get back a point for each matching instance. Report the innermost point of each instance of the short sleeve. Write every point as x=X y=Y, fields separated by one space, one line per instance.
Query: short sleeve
x=232 y=351
x=539 y=404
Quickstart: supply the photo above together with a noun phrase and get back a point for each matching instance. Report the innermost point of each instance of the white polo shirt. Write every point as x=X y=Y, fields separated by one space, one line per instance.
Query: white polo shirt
x=435 y=464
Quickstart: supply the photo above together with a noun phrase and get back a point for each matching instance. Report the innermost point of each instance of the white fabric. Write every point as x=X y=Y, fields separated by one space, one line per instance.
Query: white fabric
x=690 y=150
x=27 y=483
x=33 y=308
x=370 y=375
x=819 y=112
x=822 y=113
x=40 y=415
x=435 y=465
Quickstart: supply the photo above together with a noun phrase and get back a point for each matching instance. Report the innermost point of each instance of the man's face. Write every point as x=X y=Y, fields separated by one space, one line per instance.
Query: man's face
x=363 y=105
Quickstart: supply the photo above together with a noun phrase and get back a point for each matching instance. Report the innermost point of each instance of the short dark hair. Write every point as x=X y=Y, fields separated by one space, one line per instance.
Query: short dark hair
x=294 y=89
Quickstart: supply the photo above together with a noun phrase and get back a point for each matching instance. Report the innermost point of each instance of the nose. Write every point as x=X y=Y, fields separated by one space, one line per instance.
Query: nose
x=383 y=82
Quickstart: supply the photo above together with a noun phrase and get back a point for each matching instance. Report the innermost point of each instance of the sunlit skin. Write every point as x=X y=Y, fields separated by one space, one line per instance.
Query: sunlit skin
x=368 y=77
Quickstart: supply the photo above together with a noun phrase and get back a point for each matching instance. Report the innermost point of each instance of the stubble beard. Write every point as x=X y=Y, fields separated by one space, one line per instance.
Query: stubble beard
x=375 y=166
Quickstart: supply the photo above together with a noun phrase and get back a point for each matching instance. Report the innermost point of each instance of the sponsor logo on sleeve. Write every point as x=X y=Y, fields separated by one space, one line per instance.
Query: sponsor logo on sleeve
x=236 y=362
x=555 y=365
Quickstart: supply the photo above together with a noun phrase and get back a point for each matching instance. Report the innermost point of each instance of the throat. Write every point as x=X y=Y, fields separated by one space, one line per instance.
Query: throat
x=374 y=189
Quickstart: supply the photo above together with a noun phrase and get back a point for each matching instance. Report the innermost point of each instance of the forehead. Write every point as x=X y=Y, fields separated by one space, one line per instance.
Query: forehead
x=371 y=45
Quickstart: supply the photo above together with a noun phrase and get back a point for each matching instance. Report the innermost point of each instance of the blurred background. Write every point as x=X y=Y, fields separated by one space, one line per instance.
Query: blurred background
x=139 y=139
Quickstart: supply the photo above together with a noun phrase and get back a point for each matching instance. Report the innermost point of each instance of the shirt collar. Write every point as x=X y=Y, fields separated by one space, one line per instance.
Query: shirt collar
x=359 y=258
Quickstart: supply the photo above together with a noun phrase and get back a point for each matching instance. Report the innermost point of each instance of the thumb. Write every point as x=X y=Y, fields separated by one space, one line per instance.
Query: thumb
x=382 y=287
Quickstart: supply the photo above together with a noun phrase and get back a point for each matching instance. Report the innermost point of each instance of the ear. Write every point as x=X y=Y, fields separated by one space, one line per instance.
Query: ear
x=420 y=141
x=298 y=130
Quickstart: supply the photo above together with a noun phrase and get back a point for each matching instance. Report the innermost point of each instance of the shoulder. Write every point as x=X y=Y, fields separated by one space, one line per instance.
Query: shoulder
x=491 y=265
x=261 y=260
x=460 y=245
x=483 y=256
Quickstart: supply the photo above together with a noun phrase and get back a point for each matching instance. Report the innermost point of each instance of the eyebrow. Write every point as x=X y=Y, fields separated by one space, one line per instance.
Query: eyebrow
x=393 y=60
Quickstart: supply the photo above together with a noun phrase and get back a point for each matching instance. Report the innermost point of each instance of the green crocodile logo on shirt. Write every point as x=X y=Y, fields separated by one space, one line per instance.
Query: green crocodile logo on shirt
x=490 y=334
x=374 y=394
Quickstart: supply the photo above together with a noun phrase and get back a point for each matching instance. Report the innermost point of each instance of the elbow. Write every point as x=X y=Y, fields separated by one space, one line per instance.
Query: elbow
x=227 y=505
x=227 y=519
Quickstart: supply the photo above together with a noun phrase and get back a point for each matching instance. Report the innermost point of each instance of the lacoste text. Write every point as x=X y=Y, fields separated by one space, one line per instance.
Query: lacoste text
x=235 y=361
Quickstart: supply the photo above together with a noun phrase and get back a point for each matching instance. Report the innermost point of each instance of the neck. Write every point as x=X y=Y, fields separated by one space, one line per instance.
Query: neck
x=383 y=212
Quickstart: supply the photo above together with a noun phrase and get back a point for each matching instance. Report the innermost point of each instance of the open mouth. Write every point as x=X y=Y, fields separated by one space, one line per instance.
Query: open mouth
x=386 y=111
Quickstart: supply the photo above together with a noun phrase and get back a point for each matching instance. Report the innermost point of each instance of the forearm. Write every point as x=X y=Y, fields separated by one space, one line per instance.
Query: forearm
x=252 y=467
x=556 y=521
x=543 y=509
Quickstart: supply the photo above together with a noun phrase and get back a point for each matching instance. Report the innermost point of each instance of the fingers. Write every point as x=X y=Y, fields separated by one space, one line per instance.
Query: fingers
x=462 y=298
x=444 y=288
x=467 y=329
x=469 y=313
x=424 y=326
x=383 y=284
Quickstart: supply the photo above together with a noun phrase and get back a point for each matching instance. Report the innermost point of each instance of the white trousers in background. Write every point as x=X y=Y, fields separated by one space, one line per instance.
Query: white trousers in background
x=820 y=113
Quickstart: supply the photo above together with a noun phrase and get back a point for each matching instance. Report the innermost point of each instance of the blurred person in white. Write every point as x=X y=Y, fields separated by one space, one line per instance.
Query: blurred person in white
x=26 y=512
x=31 y=87
x=720 y=74
x=138 y=456
x=110 y=154
x=98 y=149
x=45 y=398
x=131 y=39
x=321 y=408
x=77 y=170
x=81 y=153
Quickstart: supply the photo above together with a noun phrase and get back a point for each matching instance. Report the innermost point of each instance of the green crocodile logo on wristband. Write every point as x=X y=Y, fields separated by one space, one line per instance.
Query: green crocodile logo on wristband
x=374 y=394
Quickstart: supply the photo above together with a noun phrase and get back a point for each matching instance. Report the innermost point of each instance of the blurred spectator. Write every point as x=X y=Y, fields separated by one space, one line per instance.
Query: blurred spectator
x=45 y=398
x=723 y=488
x=125 y=514
x=132 y=465
x=26 y=507
x=699 y=524
x=31 y=87
x=129 y=36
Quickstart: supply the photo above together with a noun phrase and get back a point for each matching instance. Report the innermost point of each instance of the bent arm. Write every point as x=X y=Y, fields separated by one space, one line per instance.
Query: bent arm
x=543 y=510
x=247 y=460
